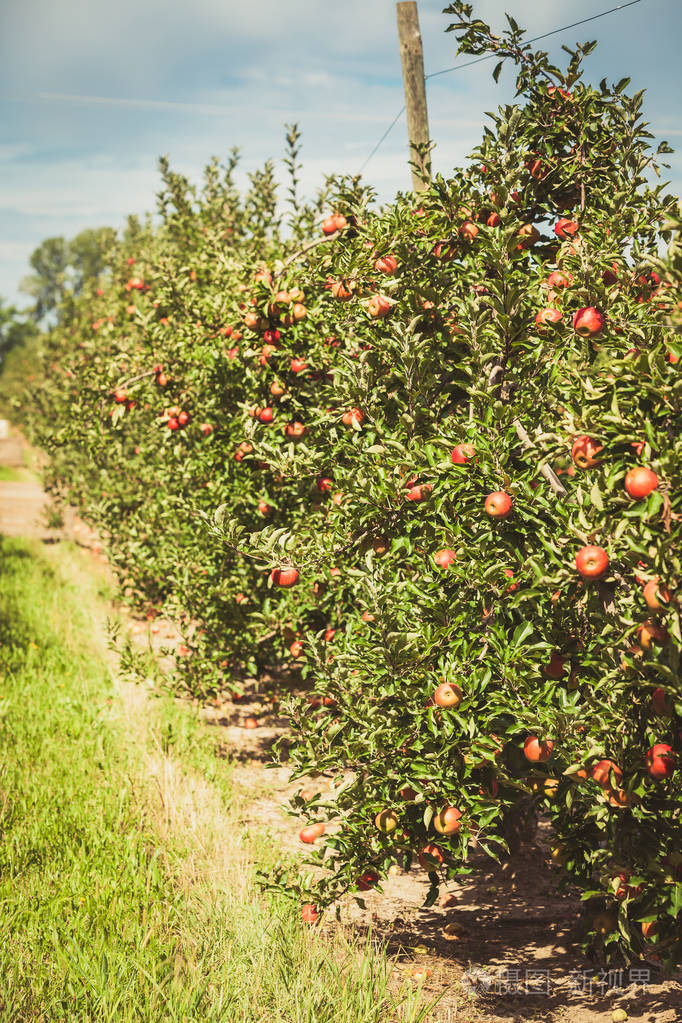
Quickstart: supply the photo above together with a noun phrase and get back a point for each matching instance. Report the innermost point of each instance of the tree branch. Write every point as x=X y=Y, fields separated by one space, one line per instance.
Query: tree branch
x=546 y=470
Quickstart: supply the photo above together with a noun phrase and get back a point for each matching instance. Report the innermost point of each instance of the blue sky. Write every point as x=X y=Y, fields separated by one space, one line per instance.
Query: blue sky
x=92 y=92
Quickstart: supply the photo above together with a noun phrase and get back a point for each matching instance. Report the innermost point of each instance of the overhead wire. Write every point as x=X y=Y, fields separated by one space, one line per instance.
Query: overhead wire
x=493 y=56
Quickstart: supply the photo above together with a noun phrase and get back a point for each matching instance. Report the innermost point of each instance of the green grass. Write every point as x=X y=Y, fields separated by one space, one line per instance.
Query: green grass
x=127 y=891
x=10 y=474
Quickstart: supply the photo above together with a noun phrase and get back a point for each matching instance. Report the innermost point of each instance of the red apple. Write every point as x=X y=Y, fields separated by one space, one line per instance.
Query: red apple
x=445 y=557
x=284 y=577
x=559 y=279
x=592 y=562
x=430 y=856
x=652 y=591
x=386 y=265
x=367 y=881
x=461 y=454
x=640 y=481
x=309 y=913
x=588 y=322
x=565 y=228
x=447 y=695
x=468 y=230
x=547 y=316
x=266 y=415
x=447 y=821
x=555 y=667
x=649 y=633
x=584 y=452
x=660 y=702
x=418 y=492
x=206 y=429
x=603 y=771
x=353 y=417
x=298 y=365
x=536 y=751
x=498 y=505
x=378 y=307
x=660 y=761
x=311 y=833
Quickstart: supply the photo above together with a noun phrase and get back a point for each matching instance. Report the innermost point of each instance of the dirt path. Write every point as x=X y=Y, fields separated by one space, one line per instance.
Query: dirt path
x=506 y=947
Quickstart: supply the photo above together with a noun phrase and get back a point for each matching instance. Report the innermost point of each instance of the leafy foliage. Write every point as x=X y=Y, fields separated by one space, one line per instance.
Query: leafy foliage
x=233 y=403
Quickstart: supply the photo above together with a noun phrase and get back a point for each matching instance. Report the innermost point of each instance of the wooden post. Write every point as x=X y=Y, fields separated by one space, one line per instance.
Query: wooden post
x=412 y=59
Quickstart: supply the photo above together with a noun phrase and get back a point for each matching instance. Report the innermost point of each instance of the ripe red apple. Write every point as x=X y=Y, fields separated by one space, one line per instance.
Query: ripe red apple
x=660 y=761
x=559 y=279
x=498 y=505
x=311 y=833
x=335 y=223
x=206 y=429
x=640 y=481
x=536 y=751
x=588 y=322
x=295 y=430
x=323 y=484
x=250 y=723
x=445 y=558
x=367 y=881
x=660 y=702
x=565 y=228
x=603 y=771
x=652 y=591
x=493 y=219
x=284 y=577
x=264 y=508
x=584 y=452
x=386 y=265
x=461 y=454
x=468 y=230
x=378 y=307
x=183 y=418
x=173 y=424
x=529 y=235
x=447 y=695
x=649 y=633
x=266 y=415
x=298 y=365
x=296 y=648
x=309 y=913
x=555 y=667
x=447 y=821
x=546 y=316
x=430 y=856
x=592 y=562
x=353 y=417
x=277 y=389
x=418 y=492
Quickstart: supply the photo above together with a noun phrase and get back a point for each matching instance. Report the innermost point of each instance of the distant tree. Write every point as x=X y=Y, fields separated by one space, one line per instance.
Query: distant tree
x=14 y=330
x=47 y=284
x=61 y=268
